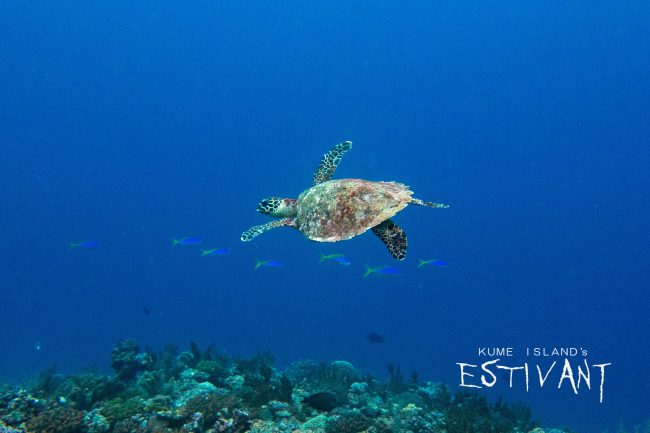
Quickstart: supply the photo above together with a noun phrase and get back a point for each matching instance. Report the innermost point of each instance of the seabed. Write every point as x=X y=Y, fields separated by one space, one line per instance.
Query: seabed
x=207 y=391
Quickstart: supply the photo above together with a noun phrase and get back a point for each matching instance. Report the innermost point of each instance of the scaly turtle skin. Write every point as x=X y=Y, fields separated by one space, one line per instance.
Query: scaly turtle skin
x=336 y=210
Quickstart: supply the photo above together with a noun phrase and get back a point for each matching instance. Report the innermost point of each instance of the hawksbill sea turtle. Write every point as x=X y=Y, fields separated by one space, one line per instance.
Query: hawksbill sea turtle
x=336 y=210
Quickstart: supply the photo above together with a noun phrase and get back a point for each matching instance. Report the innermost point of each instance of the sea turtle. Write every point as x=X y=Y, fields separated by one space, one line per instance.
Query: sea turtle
x=336 y=210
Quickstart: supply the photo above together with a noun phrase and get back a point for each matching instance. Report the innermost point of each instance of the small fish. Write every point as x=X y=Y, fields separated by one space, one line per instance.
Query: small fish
x=268 y=263
x=343 y=261
x=37 y=346
x=325 y=401
x=433 y=262
x=324 y=257
x=86 y=245
x=338 y=258
x=146 y=311
x=382 y=270
x=216 y=252
x=375 y=338
x=190 y=240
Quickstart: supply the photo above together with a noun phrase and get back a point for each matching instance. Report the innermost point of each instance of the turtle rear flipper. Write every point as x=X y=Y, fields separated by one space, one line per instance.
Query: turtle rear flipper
x=419 y=202
x=330 y=161
x=254 y=231
x=393 y=236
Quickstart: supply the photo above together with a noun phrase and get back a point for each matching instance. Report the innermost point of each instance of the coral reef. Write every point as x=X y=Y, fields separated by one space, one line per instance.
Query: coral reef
x=127 y=361
x=211 y=405
x=6 y=429
x=204 y=391
x=57 y=419
x=347 y=421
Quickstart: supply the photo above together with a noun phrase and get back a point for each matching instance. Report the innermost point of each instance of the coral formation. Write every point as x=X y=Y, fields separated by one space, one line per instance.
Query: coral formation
x=347 y=421
x=211 y=405
x=203 y=391
x=127 y=361
x=57 y=419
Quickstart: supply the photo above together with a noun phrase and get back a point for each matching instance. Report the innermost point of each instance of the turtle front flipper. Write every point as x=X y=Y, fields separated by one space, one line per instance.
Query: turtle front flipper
x=393 y=236
x=330 y=161
x=254 y=231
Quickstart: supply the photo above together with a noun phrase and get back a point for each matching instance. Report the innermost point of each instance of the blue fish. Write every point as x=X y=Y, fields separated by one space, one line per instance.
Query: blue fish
x=86 y=245
x=433 y=262
x=389 y=270
x=191 y=240
x=268 y=263
x=216 y=252
x=382 y=270
x=338 y=258
x=343 y=261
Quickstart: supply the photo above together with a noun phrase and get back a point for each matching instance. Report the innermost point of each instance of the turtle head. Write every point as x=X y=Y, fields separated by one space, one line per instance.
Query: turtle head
x=278 y=207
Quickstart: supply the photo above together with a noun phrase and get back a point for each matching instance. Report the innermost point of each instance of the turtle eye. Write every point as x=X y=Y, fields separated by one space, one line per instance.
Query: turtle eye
x=269 y=205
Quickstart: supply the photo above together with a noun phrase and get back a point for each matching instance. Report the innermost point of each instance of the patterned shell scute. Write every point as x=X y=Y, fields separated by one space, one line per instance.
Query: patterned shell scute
x=341 y=209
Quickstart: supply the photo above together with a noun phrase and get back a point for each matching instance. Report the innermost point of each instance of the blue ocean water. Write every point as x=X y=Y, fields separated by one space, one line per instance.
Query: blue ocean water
x=131 y=123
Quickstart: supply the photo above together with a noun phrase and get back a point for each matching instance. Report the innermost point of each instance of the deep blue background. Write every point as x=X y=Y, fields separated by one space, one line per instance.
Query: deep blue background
x=132 y=123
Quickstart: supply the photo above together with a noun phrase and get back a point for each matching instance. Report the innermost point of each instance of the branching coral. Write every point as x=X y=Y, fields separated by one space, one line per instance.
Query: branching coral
x=348 y=421
x=57 y=419
x=118 y=409
x=127 y=362
x=470 y=413
x=395 y=379
x=211 y=405
x=84 y=390
x=236 y=421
